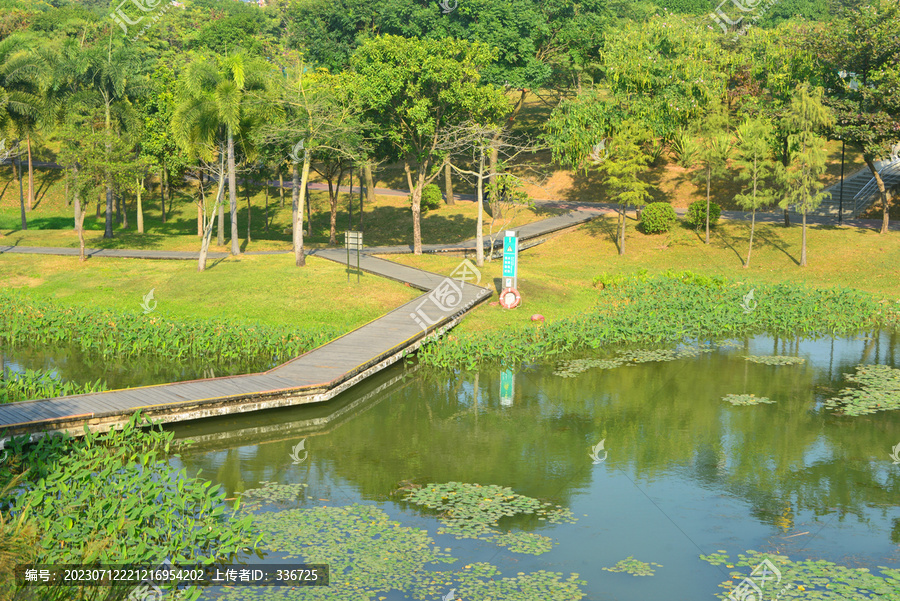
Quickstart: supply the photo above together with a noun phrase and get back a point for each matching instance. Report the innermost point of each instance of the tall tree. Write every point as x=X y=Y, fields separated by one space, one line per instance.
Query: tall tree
x=414 y=90
x=623 y=167
x=754 y=158
x=215 y=103
x=801 y=179
x=713 y=149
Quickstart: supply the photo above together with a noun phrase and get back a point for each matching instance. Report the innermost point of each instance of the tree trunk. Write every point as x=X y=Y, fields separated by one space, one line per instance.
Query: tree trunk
x=162 y=194
x=308 y=209
x=298 y=197
x=622 y=232
x=708 y=178
x=201 y=226
x=370 y=184
x=448 y=185
x=350 y=203
x=124 y=212
x=232 y=195
x=247 y=193
x=752 y=230
x=479 y=227
x=76 y=201
x=30 y=174
x=140 y=206
x=883 y=192
x=267 y=207
x=786 y=161
x=208 y=227
x=68 y=199
x=108 y=233
x=118 y=207
x=281 y=185
x=220 y=225
x=416 y=192
x=18 y=164
x=803 y=243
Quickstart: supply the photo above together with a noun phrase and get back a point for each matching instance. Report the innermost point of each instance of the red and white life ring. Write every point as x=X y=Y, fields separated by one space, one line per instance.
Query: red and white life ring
x=509 y=298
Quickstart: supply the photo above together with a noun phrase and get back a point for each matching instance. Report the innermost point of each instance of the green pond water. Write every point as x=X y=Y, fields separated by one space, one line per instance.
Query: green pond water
x=680 y=473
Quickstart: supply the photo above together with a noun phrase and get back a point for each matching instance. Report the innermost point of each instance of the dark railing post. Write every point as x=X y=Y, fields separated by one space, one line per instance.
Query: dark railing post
x=841 y=209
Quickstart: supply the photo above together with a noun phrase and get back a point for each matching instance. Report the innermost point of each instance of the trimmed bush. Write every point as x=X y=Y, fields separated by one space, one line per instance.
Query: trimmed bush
x=657 y=218
x=696 y=213
x=431 y=198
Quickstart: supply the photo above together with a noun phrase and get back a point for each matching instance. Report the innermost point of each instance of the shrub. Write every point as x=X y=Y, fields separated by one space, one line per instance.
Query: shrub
x=431 y=198
x=657 y=218
x=696 y=213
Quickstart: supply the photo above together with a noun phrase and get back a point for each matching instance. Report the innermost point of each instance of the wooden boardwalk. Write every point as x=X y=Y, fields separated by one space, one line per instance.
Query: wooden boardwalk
x=315 y=376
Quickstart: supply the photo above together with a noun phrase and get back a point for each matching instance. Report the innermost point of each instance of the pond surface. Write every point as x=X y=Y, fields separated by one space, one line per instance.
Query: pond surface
x=71 y=364
x=680 y=472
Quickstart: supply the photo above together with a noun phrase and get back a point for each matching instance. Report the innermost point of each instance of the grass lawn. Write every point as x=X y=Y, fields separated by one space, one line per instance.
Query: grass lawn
x=267 y=289
x=556 y=278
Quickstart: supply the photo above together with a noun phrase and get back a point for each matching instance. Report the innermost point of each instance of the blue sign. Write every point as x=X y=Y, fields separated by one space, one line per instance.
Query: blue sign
x=507 y=386
x=510 y=255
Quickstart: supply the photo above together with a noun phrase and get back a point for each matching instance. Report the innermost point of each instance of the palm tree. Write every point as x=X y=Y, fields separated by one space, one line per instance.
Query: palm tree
x=20 y=101
x=215 y=105
x=112 y=74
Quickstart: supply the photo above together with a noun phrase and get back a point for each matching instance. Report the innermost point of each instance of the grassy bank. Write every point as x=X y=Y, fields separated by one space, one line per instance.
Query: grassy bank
x=669 y=309
x=556 y=279
x=267 y=290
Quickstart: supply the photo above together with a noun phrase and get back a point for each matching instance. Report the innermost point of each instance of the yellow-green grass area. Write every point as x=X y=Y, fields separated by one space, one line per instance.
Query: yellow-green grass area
x=556 y=278
x=267 y=289
x=386 y=222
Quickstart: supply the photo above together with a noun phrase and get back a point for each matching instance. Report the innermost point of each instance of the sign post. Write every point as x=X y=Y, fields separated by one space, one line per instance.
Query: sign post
x=353 y=240
x=509 y=296
x=510 y=259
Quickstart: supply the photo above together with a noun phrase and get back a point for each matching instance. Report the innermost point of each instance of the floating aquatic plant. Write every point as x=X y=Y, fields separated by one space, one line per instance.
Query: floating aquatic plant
x=647 y=356
x=473 y=511
x=879 y=390
x=775 y=359
x=746 y=399
x=634 y=567
x=272 y=493
x=810 y=580
x=570 y=369
x=369 y=555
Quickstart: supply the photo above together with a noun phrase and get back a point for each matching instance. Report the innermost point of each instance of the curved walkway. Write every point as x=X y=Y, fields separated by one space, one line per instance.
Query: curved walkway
x=312 y=377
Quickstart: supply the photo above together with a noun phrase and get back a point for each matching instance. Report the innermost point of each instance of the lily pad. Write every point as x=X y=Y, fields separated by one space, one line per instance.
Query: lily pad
x=775 y=359
x=634 y=567
x=878 y=390
x=746 y=399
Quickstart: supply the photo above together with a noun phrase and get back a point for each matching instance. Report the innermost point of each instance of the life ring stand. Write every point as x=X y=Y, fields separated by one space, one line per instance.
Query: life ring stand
x=510 y=303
